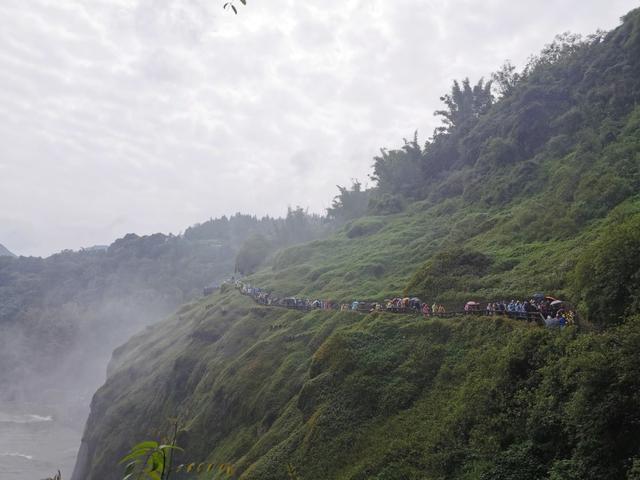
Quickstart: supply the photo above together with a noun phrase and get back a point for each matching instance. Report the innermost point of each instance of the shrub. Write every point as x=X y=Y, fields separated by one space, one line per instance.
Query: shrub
x=252 y=253
x=386 y=204
x=453 y=269
x=365 y=226
x=607 y=275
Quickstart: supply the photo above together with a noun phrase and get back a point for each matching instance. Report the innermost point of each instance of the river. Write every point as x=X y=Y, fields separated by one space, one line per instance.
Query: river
x=38 y=439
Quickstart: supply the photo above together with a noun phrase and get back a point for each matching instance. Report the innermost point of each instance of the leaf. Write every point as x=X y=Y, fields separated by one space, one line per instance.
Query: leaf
x=155 y=475
x=130 y=467
x=131 y=456
x=235 y=10
x=170 y=447
x=155 y=463
x=149 y=444
x=244 y=2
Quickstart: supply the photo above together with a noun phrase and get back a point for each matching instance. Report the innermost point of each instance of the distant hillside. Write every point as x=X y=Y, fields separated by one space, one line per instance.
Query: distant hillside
x=4 y=252
x=69 y=311
x=532 y=190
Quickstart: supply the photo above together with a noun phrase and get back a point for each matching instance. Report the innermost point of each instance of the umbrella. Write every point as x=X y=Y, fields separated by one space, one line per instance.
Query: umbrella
x=538 y=296
x=553 y=299
x=472 y=303
x=557 y=302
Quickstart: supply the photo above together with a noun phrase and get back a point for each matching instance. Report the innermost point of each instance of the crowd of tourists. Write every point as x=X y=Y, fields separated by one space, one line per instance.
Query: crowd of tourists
x=540 y=308
x=554 y=312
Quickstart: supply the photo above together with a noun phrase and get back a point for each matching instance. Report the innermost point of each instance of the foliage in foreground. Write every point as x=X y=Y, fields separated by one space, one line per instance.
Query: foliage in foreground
x=150 y=460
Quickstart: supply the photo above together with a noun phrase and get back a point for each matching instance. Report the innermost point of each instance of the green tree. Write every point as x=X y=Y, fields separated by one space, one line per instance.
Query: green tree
x=350 y=203
x=400 y=171
x=464 y=103
x=506 y=79
x=252 y=253
x=607 y=275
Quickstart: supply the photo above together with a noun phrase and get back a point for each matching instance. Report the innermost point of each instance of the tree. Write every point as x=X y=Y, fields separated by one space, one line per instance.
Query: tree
x=607 y=275
x=464 y=103
x=506 y=79
x=252 y=253
x=400 y=171
x=350 y=203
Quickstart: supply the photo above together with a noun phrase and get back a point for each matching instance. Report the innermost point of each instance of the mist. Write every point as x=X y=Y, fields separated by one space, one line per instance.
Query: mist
x=60 y=320
x=144 y=116
x=61 y=317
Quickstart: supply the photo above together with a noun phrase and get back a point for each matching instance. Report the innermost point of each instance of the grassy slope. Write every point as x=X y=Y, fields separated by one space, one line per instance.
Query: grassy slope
x=380 y=264
x=341 y=395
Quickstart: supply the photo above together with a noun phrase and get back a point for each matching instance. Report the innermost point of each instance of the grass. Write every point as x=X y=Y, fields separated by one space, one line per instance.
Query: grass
x=341 y=395
x=380 y=264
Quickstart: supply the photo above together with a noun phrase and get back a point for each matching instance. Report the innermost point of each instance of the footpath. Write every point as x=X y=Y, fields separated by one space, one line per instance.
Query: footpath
x=397 y=305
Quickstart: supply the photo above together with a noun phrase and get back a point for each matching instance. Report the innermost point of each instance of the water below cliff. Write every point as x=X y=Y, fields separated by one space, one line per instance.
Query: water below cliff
x=38 y=439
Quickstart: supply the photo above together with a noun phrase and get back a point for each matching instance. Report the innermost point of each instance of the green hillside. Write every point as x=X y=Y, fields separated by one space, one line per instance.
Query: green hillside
x=347 y=396
x=535 y=190
x=526 y=185
x=70 y=310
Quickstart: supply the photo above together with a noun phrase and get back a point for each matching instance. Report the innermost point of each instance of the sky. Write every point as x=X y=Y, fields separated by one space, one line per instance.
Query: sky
x=121 y=116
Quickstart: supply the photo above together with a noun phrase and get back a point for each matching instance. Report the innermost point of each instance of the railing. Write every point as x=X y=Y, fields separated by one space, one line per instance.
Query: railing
x=368 y=307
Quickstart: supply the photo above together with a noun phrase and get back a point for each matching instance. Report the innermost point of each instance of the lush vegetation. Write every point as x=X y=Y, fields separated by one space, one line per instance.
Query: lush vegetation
x=531 y=184
x=526 y=172
x=344 y=396
x=607 y=276
x=74 y=308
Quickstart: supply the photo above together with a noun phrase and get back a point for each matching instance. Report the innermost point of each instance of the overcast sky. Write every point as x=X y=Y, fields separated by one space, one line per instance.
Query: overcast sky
x=140 y=116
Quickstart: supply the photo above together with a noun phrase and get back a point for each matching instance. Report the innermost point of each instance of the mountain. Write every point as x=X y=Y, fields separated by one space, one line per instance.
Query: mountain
x=4 y=252
x=533 y=191
x=66 y=313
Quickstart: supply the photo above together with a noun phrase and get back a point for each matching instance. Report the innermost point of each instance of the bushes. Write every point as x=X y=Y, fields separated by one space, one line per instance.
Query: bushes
x=386 y=204
x=607 y=276
x=497 y=153
x=453 y=269
x=366 y=226
x=252 y=253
